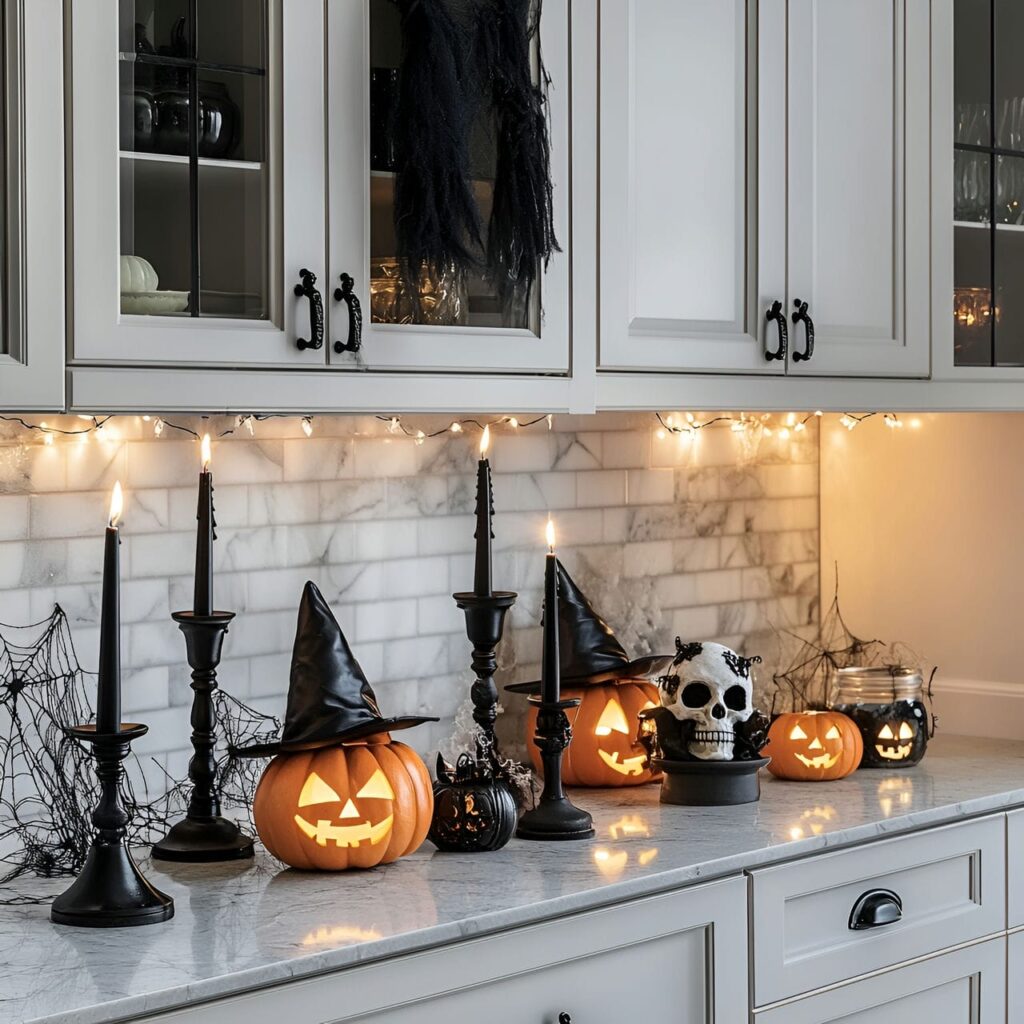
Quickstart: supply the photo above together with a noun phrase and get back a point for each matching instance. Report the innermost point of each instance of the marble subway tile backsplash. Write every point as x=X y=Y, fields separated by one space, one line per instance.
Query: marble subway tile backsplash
x=714 y=538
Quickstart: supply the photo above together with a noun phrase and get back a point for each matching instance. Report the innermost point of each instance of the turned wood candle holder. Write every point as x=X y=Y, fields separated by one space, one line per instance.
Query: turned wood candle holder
x=203 y=834
x=110 y=891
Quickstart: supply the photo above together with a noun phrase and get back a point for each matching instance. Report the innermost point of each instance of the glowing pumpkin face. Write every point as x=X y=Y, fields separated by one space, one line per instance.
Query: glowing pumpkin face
x=814 y=746
x=895 y=735
x=353 y=805
x=604 y=750
x=895 y=741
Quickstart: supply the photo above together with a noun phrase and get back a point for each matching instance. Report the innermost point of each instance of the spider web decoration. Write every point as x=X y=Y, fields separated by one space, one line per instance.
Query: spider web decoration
x=48 y=786
x=806 y=683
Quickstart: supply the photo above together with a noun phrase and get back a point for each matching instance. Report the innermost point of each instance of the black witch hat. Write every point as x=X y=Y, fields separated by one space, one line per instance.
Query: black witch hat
x=329 y=698
x=589 y=651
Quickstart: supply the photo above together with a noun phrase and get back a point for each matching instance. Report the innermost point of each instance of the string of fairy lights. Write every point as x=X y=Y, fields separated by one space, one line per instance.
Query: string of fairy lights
x=684 y=425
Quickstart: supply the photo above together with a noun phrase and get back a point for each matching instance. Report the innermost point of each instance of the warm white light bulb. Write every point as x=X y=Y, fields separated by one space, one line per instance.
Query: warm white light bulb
x=307 y=426
x=456 y=428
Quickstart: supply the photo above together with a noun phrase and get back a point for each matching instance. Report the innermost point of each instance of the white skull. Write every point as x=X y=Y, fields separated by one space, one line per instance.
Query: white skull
x=709 y=685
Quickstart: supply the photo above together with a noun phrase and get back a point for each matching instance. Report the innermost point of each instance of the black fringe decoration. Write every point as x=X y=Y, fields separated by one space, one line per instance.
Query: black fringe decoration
x=437 y=223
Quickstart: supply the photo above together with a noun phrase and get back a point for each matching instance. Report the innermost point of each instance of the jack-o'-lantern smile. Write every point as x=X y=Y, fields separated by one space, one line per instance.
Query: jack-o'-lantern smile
x=898 y=745
x=818 y=760
x=613 y=720
x=317 y=792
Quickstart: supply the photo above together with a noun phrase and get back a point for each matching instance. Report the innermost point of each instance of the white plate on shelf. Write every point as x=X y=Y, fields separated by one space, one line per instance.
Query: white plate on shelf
x=154 y=302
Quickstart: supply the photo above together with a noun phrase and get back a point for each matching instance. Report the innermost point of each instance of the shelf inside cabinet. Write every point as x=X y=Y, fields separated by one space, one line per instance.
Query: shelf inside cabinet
x=172 y=158
x=979 y=225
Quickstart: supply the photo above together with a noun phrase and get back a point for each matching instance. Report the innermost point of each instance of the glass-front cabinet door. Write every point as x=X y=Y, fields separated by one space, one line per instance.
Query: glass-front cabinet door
x=31 y=206
x=383 y=106
x=198 y=182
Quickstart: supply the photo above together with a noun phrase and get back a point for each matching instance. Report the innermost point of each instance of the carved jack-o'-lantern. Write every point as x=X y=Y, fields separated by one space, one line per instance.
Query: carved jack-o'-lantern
x=604 y=750
x=814 y=746
x=354 y=805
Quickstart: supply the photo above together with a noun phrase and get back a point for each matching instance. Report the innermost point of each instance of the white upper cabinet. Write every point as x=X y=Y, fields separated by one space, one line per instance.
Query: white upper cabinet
x=31 y=206
x=685 y=278
x=199 y=184
x=857 y=189
x=754 y=154
x=460 y=323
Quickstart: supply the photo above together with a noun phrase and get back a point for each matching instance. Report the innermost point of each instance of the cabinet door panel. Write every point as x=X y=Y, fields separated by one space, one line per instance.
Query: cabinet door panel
x=858 y=184
x=678 y=281
x=966 y=987
x=202 y=159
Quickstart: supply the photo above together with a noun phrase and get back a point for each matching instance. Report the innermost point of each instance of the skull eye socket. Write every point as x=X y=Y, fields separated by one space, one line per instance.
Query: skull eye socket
x=736 y=698
x=886 y=733
x=378 y=788
x=797 y=733
x=906 y=732
x=696 y=695
x=833 y=733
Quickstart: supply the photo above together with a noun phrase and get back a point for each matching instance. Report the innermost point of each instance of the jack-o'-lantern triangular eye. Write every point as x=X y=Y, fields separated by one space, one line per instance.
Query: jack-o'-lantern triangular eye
x=886 y=733
x=378 y=788
x=316 y=791
x=797 y=733
x=613 y=719
x=832 y=734
x=906 y=732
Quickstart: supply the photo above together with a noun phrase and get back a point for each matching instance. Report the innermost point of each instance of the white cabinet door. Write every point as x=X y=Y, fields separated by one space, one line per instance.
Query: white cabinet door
x=692 y=184
x=32 y=207
x=1015 y=977
x=965 y=987
x=858 y=186
x=462 y=326
x=198 y=147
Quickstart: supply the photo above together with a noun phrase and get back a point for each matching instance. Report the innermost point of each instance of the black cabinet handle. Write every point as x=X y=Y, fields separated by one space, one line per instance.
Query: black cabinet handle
x=776 y=314
x=316 y=311
x=355 y=316
x=875 y=909
x=564 y=1018
x=802 y=314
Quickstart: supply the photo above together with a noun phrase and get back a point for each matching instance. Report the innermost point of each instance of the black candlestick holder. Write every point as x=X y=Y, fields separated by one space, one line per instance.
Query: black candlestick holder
x=555 y=817
x=203 y=834
x=110 y=891
x=485 y=621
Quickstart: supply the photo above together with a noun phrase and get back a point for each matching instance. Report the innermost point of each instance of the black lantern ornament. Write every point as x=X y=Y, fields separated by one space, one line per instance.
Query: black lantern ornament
x=474 y=808
x=887 y=703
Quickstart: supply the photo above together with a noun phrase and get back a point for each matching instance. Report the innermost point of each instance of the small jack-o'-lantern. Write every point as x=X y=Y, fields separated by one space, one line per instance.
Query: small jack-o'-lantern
x=612 y=690
x=348 y=806
x=474 y=807
x=814 y=746
x=604 y=750
x=339 y=793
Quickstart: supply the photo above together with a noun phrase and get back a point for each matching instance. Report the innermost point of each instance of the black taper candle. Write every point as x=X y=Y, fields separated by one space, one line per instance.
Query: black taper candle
x=202 y=601
x=550 y=679
x=482 y=582
x=108 y=684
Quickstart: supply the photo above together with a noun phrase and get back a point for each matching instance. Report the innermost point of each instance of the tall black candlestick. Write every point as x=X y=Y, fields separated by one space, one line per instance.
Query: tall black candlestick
x=108 y=685
x=484 y=510
x=550 y=679
x=202 y=603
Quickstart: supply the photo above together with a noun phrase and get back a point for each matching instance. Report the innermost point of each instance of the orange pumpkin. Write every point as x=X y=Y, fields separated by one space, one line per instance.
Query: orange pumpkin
x=814 y=746
x=354 y=805
x=603 y=751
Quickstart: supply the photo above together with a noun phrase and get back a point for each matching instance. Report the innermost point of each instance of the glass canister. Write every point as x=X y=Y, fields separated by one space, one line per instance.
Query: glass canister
x=887 y=703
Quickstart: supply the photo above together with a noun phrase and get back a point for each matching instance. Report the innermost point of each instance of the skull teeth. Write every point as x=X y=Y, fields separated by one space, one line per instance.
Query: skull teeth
x=713 y=736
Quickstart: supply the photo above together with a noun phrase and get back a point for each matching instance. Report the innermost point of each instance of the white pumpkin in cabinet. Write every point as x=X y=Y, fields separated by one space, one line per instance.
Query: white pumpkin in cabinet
x=138 y=275
x=140 y=293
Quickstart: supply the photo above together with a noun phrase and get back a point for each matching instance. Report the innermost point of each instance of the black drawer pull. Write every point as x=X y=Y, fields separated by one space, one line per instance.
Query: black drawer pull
x=802 y=314
x=776 y=314
x=564 y=1018
x=875 y=909
x=316 y=311
x=355 y=316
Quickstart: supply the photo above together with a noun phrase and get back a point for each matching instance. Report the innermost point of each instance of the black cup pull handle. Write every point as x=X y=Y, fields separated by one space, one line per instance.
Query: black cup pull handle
x=355 y=316
x=876 y=908
x=564 y=1018
x=316 y=311
x=776 y=314
x=801 y=313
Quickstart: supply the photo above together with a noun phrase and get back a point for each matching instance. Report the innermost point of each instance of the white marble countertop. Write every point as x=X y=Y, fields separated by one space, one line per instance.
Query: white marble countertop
x=241 y=926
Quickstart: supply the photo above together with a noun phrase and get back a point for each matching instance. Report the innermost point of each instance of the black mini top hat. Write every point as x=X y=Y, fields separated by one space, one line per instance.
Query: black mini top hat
x=329 y=698
x=589 y=651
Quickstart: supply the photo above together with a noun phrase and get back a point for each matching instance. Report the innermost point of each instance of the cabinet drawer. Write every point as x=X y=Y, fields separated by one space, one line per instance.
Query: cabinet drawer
x=681 y=957
x=951 y=881
x=1015 y=981
x=1014 y=858
x=965 y=987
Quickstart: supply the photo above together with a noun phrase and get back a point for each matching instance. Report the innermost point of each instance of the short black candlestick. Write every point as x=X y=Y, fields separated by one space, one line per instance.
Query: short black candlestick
x=110 y=891
x=485 y=621
x=203 y=834
x=555 y=817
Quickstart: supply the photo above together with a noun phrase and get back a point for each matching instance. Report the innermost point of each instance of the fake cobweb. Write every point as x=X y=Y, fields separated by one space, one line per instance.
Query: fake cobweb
x=807 y=681
x=48 y=786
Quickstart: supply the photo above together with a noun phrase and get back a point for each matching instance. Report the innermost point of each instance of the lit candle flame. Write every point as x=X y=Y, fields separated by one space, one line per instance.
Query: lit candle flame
x=485 y=442
x=550 y=533
x=116 y=504
x=205 y=453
